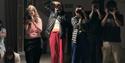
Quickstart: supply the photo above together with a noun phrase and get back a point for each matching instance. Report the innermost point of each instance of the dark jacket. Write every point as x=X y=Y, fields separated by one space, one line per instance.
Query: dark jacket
x=94 y=27
x=62 y=19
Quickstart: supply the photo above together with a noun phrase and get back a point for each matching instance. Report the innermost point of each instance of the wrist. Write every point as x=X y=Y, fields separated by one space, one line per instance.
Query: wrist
x=92 y=10
x=107 y=14
x=113 y=15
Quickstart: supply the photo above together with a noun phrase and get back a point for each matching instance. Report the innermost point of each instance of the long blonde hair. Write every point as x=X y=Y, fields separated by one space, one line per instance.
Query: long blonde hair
x=36 y=16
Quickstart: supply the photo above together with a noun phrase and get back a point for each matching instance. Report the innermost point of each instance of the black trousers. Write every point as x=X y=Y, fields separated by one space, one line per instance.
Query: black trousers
x=95 y=51
x=32 y=48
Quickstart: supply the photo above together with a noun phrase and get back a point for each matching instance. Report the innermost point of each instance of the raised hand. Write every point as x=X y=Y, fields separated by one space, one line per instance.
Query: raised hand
x=92 y=7
x=113 y=12
x=106 y=11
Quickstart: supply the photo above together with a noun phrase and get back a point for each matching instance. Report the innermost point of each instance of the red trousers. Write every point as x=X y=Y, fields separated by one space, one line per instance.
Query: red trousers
x=56 y=48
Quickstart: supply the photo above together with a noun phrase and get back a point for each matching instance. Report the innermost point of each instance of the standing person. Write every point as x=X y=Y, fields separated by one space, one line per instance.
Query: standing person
x=2 y=38
x=32 y=41
x=111 y=23
x=79 y=36
x=56 y=31
x=94 y=34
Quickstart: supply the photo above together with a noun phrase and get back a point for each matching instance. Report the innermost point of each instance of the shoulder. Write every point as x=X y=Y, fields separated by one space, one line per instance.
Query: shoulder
x=39 y=20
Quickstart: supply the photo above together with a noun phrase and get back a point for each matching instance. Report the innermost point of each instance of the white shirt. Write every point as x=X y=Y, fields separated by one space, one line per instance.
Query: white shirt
x=2 y=46
x=56 y=26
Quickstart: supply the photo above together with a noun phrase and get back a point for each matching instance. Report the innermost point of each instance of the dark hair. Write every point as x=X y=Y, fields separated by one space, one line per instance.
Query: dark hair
x=9 y=52
x=95 y=3
x=81 y=11
x=79 y=6
x=111 y=4
x=61 y=5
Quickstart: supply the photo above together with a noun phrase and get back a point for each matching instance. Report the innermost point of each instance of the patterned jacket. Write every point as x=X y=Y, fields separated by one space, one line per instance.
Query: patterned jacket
x=78 y=27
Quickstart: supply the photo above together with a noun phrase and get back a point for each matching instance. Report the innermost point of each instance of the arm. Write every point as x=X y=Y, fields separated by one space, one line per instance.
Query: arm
x=99 y=15
x=73 y=22
x=118 y=19
x=105 y=18
x=38 y=25
x=93 y=11
x=27 y=26
x=91 y=14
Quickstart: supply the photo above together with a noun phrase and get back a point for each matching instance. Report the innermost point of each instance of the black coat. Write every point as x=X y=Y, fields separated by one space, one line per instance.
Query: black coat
x=51 y=21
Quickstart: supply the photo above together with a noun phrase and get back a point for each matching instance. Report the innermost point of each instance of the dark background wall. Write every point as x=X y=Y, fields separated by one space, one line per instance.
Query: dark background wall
x=11 y=23
x=2 y=10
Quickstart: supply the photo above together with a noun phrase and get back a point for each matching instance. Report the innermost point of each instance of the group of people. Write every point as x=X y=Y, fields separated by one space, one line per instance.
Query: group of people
x=95 y=35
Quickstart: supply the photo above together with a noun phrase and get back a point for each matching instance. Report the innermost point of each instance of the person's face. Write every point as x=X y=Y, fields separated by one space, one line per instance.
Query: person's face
x=77 y=11
x=58 y=7
x=112 y=9
x=31 y=12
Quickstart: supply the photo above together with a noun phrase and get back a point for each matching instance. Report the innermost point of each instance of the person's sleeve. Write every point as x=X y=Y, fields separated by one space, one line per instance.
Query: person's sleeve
x=74 y=23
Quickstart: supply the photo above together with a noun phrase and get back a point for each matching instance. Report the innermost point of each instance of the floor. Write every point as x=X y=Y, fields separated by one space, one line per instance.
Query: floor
x=45 y=58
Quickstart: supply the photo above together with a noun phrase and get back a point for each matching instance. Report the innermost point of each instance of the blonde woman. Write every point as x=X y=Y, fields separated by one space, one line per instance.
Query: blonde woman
x=32 y=29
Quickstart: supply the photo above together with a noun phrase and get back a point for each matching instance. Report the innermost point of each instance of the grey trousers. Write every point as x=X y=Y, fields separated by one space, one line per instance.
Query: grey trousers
x=111 y=52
